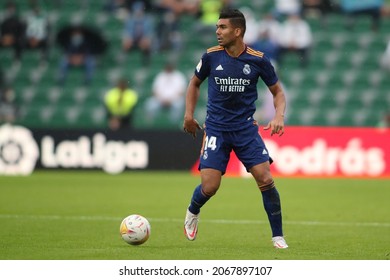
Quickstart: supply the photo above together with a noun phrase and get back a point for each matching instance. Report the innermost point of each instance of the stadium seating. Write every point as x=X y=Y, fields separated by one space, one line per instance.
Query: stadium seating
x=343 y=84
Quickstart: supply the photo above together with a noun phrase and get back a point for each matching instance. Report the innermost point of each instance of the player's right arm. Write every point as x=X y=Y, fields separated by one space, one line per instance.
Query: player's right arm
x=190 y=124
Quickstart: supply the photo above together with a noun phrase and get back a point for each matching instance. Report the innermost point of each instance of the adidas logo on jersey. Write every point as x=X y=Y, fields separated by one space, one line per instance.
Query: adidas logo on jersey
x=219 y=67
x=265 y=152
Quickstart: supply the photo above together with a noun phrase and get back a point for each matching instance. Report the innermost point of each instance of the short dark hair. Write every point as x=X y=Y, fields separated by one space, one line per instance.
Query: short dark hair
x=236 y=18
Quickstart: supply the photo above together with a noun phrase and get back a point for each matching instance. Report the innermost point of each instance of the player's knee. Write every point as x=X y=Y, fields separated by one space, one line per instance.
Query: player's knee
x=264 y=180
x=209 y=190
x=211 y=180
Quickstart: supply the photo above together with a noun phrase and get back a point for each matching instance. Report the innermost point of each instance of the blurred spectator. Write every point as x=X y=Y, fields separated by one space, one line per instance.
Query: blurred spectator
x=296 y=36
x=168 y=25
x=81 y=47
x=147 y=4
x=385 y=60
x=208 y=11
x=317 y=9
x=386 y=9
x=138 y=31
x=168 y=88
x=12 y=30
x=284 y=8
x=252 y=33
x=182 y=7
x=353 y=8
x=120 y=102
x=122 y=8
x=37 y=32
x=269 y=30
x=118 y=8
x=257 y=34
x=190 y=7
x=8 y=109
x=77 y=54
x=270 y=27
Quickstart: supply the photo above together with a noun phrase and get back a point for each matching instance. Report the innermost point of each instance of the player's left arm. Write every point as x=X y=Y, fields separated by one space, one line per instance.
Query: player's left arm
x=277 y=123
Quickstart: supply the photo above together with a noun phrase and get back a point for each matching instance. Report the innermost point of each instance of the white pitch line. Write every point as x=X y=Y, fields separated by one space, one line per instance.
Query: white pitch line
x=211 y=221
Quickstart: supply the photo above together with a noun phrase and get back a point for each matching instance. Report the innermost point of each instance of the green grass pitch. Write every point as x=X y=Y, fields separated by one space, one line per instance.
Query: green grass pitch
x=75 y=215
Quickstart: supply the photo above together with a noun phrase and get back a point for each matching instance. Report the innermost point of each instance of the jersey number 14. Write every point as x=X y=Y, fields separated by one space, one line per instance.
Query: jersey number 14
x=210 y=142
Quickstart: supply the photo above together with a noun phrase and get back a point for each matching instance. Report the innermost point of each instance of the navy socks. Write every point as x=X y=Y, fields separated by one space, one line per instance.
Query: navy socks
x=271 y=201
x=198 y=200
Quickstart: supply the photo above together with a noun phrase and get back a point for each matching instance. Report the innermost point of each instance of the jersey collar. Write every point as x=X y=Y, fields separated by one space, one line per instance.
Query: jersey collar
x=243 y=51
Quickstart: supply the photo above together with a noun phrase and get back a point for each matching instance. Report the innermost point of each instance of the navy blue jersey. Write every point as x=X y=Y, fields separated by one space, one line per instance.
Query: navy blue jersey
x=232 y=86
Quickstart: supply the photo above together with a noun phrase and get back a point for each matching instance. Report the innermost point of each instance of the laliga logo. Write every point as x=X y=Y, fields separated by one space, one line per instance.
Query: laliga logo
x=18 y=150
x=112 y=156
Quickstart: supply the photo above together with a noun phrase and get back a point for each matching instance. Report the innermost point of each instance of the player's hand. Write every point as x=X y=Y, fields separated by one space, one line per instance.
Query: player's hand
x=191 y=126
x=276 y=125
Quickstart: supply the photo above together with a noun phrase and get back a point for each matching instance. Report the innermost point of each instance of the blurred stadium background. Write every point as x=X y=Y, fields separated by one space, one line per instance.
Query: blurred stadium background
x=343 y=85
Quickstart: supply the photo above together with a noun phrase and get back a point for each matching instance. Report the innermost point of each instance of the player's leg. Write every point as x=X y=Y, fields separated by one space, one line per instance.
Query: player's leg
x=211 y=180
x=271 y=201
x=251 y=151
x=213 y=162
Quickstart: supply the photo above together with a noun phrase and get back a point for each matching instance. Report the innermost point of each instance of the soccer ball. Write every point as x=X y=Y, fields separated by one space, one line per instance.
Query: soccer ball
x=135 y=229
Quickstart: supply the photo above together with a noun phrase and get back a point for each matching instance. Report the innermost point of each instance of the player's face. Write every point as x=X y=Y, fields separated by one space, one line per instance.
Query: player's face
x=226 y=33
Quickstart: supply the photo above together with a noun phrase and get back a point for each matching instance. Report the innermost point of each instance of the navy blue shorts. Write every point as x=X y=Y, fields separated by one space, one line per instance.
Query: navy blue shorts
x=247 y=145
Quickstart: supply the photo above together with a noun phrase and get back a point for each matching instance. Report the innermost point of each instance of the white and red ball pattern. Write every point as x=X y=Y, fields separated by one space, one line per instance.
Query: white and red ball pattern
x=135 y=229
